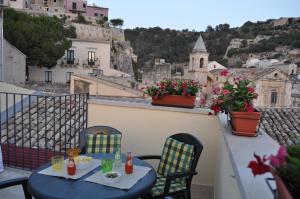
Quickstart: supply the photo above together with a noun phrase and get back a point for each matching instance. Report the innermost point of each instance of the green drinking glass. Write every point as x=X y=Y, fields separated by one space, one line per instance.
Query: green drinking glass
x=106 y=165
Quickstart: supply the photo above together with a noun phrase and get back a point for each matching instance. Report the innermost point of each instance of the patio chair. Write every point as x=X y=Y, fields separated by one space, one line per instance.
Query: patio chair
x=100 y=139
x=177 y=166
x=14 y=182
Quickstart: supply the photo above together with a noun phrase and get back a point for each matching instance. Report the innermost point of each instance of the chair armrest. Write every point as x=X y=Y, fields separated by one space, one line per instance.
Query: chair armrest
x=174 y=176
x=149 y=157
x=13 y=182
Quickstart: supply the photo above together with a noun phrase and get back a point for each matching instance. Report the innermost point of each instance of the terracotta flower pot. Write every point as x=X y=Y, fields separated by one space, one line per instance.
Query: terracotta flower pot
x=282 y=191
x=175 y=101
x=245 y=123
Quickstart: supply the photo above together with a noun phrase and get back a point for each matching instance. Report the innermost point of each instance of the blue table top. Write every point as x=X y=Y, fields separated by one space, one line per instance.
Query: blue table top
x=49 y=187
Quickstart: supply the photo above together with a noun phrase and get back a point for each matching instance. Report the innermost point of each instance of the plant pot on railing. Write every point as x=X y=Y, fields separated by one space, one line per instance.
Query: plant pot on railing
x=174 y=101
x=244 y=123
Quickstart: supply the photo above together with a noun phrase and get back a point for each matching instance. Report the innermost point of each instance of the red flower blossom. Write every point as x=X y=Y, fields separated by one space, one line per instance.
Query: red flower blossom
x=259 y=166
x=215 y=108
x=248 y=107
x=224 y=73
x=226 y=92
x=251 y=89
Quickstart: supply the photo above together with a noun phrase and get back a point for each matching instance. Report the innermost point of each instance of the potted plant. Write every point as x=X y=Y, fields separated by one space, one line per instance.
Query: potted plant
x=285 y=168
x=237 y=99
x=177 y=93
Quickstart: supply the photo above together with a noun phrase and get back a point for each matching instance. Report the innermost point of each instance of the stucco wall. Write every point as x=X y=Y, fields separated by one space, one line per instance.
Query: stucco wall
x=225 y=184
x=145 y=130
x=100 y=87
x=14 y=64
x=18 y=4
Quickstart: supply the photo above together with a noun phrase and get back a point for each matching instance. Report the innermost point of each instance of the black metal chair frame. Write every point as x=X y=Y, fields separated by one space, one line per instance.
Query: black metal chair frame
x=95 y=130
x=14 y=182
x=198 y=147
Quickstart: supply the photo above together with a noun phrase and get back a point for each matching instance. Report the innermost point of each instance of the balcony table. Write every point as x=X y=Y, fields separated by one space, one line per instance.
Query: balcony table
x=49 y=187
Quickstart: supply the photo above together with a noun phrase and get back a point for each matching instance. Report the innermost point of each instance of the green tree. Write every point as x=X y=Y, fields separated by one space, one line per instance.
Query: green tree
x=209 y=29
x=41 y=38
x=70 y=32
x=117 y=22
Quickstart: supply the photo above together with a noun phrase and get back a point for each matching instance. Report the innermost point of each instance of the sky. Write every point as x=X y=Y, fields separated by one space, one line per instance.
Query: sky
x=196 y=14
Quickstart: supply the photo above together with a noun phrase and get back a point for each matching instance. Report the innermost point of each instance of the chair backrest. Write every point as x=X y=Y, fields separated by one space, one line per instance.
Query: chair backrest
x=198 y=147
x=95 y=130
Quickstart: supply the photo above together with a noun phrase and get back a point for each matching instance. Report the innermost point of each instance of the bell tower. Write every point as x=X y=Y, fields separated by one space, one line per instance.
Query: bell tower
x=198 y=65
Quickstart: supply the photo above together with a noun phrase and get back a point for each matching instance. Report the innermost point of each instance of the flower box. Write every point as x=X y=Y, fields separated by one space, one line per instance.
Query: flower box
x=244 y=123
x=174 y=101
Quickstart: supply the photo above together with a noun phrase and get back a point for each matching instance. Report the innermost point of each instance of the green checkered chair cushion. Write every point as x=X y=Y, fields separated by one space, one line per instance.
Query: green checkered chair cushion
x=176 y=157
x=159 y=186
x=102 y=143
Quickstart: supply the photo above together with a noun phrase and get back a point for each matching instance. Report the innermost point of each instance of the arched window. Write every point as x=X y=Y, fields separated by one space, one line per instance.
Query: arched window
x=201 y=62
x=292 y=73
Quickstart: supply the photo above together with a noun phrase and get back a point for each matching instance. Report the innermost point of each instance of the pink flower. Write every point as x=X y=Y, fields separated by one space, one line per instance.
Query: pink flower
x=203 y=101
x=251 y=89
x=220 y=101
x=226 y=92
x=279 y=159
x=216 y=90
x=224 y=73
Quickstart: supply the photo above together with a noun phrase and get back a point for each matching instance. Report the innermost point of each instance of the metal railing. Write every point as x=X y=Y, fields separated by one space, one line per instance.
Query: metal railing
x=35 y=127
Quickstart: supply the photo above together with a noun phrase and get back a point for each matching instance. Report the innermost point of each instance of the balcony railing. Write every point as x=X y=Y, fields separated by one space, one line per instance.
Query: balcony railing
x=35 y=127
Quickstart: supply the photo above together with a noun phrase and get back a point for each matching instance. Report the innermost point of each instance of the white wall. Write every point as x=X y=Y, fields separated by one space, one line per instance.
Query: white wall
x=215 y=65
x=18 y=4
x=14 y=66
x=225 y=186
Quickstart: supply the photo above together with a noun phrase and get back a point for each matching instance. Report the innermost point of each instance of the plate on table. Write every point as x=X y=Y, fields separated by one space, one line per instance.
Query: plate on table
x=83 y=162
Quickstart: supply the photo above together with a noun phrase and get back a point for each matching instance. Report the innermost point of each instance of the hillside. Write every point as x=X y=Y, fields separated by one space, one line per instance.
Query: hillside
x=175 y=46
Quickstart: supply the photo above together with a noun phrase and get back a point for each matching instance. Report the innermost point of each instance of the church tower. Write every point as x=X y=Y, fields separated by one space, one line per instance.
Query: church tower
x=198 y=65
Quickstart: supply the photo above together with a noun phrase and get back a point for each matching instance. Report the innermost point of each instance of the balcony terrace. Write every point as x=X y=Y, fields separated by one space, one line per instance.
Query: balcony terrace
x=222 y=167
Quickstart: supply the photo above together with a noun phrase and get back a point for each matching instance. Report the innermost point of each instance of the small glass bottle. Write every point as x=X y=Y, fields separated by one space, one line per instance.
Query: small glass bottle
x=71 y=166
x=129 y=164
x=118 y=162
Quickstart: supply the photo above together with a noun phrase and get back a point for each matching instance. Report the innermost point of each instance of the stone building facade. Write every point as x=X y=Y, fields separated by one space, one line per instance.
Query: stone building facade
x=84 y=57
x=157 y=72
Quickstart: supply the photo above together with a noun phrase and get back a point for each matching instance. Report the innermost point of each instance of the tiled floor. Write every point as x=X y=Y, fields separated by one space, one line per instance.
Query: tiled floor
x=17 y=192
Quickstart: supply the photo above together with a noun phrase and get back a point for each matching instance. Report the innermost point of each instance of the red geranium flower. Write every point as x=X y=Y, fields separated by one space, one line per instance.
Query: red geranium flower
x=259 y=166
x=224 y=73
x=251 y=89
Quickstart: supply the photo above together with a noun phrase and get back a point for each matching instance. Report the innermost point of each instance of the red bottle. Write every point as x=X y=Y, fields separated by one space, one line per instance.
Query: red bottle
x=71 y=167
x=129 y=164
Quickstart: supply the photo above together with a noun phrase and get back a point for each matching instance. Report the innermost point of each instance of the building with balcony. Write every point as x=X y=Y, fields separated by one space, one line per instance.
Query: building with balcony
x=82 y=58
